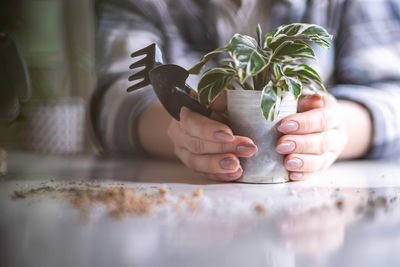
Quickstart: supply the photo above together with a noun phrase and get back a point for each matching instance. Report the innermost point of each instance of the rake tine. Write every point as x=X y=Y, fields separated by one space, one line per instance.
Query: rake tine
x=139 y=63
x=138 y=85
x=135 y=77
x=142 y=51
x=138 y=75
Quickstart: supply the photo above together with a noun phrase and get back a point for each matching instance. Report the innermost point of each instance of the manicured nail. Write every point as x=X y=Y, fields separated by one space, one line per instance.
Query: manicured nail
x=228 y=164
x=285 y=147
x=246 y=149
x=316 y=97
x=235 y=174
x=288 y=127
x=296 y=176
x=223 y=136
x=294 y=164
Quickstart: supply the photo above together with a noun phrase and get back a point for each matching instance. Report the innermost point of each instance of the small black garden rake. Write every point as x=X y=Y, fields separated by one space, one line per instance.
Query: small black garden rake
x=168 y=81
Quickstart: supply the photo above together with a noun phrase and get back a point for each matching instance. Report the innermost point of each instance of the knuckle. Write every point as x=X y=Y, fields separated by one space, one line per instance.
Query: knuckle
x=323 y=145
x=308 y=124
x=301 y=144
x=221 y=148
x=323 y=120
x=196 y=145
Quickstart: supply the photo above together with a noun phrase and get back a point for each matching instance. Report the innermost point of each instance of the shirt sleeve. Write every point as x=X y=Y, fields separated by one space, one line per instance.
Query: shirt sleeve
x=121 y=29
x=368 y=70
x=124 y=26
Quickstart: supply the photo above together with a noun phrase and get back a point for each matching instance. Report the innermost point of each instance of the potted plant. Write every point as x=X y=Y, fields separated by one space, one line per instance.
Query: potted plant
x=264 y=78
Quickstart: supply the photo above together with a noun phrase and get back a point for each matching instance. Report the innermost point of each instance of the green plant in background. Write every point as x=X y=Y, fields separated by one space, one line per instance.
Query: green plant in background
x=269 y=64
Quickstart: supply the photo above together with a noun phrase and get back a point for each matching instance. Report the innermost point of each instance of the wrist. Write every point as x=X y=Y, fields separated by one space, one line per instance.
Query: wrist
x=359 y=129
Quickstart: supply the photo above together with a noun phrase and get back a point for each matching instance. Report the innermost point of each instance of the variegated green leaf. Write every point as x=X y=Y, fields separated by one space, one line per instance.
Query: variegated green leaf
x=305 y=74
x=302 y=70
x=268 y=39
x=298 y=31
x=321 y=42
x=197 y=68
x=277 y=71
x=312 y=84
x=213 y=83
x=248 y=57
x=268 y=101
x=294 y=85
x=292 y=50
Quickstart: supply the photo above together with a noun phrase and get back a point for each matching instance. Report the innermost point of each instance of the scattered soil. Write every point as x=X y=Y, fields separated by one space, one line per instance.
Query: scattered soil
x=120 y=201
x=193 y=205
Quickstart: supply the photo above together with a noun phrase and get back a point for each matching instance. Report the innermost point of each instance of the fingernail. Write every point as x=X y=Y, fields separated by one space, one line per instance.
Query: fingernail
x=316 y=97
x=294 y=164
x=228 y=164
x=223 y=136
x=289 y=126
x=246 y=149
x=285 y=147
x=235 y=174
x=296 y=175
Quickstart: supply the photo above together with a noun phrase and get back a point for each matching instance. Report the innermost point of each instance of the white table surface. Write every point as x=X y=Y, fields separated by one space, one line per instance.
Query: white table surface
x=302 y=225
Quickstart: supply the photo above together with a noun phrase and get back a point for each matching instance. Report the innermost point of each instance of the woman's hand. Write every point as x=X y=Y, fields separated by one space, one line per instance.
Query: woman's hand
x=313 y=138
x=208 y=146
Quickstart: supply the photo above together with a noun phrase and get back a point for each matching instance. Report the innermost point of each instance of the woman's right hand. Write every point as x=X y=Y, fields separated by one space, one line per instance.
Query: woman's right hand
x=208 y=146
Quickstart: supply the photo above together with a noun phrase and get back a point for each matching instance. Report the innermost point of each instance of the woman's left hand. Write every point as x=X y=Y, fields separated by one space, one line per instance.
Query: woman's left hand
x=313 y=138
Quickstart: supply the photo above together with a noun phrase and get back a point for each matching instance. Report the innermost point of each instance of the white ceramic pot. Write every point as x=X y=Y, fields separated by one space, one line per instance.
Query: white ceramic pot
x=56 y=127
x=246 y=119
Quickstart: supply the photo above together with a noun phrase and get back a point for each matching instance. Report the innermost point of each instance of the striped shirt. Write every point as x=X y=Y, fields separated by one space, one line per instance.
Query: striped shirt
x=363 y=65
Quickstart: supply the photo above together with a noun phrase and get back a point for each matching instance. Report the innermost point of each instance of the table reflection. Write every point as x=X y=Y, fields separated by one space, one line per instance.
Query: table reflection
x=319 y=222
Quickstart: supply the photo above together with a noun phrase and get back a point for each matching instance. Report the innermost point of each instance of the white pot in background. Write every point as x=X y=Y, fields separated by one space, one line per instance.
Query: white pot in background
x=246 y=119
x=56 y=127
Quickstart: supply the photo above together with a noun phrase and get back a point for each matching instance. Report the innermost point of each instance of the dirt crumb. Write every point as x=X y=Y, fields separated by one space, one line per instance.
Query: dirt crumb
x=163 y=191
x=339 y=204
x=259 y=208
x=198 y=193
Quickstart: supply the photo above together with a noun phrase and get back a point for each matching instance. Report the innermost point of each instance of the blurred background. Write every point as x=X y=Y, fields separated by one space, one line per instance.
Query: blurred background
x=51 y=43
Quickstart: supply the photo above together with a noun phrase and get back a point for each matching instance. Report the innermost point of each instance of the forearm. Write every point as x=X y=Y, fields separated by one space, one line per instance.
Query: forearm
x=152 y=131
x=359 y=130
